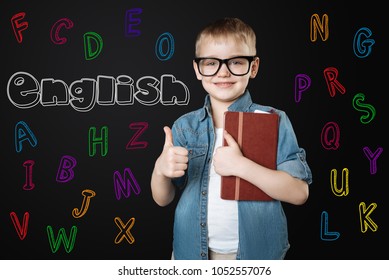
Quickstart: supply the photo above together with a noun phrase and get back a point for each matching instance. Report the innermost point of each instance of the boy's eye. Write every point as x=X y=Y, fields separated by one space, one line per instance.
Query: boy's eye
x=236 y=62
x=209 y=62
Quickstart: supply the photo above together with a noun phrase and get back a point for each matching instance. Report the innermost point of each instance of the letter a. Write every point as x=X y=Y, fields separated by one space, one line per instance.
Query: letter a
x=23 y=133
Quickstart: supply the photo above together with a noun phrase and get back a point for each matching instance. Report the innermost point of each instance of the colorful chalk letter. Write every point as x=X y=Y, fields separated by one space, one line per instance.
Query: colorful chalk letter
x=18 y=26
x=65 y=171
x=57 y=27
x=140 y=128
x=331 y=77
x=162 y=51
x=344 y=189
x=319 y=26
x=362 y=43
x=364 y=217
x=87 y=194
x=20 y=229
x=55 y=243
x=93 y=141
x=124 y=230
x=372 y=157
x=29 y=184
x=92 y=39
x=126 y=184
x=367 y=108
x=130 y=21
x=324 y=233
x=301 y=83
x=330 y=135
x=23 y=133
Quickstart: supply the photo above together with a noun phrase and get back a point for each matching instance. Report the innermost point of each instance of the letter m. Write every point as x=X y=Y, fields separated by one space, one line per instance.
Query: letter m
x=124 y=184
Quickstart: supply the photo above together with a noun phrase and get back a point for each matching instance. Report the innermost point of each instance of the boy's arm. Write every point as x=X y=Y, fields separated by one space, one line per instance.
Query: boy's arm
x=172 y=163
x=162 y=188
x=278 y=184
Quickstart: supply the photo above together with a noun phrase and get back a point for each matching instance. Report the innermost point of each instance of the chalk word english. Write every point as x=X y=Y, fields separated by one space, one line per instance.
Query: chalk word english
x=24 y=91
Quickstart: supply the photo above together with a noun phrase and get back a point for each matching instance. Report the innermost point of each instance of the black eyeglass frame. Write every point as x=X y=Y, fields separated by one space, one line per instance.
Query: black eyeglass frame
x=225 y=61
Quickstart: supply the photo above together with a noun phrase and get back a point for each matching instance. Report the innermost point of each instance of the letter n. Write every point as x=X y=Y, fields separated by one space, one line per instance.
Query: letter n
x=319 y=26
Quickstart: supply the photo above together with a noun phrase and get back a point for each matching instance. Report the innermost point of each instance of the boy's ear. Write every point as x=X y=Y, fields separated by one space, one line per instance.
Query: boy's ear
x=198 y=75
x=254 y=68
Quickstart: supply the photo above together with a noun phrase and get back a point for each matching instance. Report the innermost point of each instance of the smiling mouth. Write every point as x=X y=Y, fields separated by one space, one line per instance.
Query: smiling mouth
x=224 y=84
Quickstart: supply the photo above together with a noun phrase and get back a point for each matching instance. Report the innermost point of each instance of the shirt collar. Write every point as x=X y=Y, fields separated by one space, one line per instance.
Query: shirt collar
x=242 y=104
x=206 y=108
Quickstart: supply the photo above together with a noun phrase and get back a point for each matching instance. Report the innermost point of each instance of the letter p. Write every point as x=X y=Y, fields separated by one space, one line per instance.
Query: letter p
x=302 y=83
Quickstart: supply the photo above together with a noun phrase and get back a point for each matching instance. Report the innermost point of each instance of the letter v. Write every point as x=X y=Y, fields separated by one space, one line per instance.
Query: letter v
x=20 y=229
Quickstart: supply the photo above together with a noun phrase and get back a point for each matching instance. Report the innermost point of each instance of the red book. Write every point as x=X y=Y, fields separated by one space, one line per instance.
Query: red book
x=257 y=136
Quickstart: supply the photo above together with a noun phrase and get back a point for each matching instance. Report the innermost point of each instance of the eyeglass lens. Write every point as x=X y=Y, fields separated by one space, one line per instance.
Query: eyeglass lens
x=237 y=66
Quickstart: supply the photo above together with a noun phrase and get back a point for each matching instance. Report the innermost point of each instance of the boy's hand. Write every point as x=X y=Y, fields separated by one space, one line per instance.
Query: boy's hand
x=173 y=161
x=226 y=158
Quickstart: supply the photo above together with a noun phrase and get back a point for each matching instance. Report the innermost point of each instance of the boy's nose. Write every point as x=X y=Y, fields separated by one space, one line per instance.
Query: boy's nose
x=223 y=71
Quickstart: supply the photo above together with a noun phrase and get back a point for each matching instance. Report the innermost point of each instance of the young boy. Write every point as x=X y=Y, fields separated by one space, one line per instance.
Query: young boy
x=193 y=160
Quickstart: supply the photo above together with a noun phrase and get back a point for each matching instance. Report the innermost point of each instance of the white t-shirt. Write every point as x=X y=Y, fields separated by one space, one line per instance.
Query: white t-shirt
x=222 y=214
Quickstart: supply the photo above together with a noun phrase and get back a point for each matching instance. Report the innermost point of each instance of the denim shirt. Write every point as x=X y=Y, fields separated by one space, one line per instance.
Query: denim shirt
x=263 y=232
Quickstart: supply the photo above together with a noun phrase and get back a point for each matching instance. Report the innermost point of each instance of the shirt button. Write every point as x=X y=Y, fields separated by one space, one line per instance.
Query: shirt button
x=203 y=192
x=203 y=254
x=202 y=224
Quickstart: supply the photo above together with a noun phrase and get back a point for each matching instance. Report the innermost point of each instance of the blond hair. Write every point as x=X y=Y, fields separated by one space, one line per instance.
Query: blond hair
x=226 y=27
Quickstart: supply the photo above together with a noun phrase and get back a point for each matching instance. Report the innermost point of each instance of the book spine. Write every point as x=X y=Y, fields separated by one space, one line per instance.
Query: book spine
x=240 y=140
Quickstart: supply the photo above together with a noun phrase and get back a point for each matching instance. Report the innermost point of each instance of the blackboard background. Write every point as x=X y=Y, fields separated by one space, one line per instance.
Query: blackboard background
x=285 y=50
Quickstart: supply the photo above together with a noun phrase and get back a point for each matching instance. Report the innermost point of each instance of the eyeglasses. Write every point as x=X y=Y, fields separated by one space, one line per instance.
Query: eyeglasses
x=238 y=66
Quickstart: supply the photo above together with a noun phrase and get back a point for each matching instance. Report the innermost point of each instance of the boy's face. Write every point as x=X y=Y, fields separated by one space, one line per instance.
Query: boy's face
x=224 y=86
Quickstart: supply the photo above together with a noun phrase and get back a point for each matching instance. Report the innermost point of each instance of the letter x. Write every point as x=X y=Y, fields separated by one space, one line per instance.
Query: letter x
x=124 y=230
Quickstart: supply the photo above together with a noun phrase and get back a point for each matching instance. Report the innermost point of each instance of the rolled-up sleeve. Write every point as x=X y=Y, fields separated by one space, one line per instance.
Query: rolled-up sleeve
x=297 y=166
x=290 y=157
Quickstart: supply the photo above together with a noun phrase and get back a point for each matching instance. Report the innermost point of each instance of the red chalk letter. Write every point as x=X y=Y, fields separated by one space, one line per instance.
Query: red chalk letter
x=19 y=26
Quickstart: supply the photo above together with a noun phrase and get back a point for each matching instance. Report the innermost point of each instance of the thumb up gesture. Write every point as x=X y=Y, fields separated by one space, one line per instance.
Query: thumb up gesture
x=226 y=158
x=173 y=160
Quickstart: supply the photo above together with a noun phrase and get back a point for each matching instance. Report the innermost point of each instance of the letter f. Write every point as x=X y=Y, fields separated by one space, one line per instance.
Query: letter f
x=19 y=26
